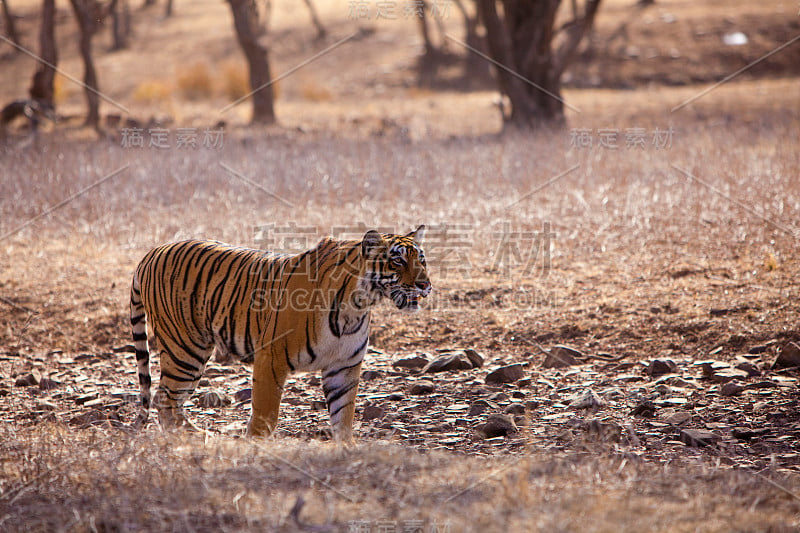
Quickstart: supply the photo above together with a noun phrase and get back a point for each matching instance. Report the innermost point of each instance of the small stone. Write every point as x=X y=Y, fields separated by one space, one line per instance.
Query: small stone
x=497 y=426
x=730 y=374
x=587 y=400
x=561 y=356
x=395 y=397
x=751 y=369
x=414 y=362
x=659 y=367
x=499 y=397
x=480 y=406
x=444 y=363
x=532 y=404
x=699 y=437
x=48 y=384
x=318 y=405
x=369 y=375
x=243 y=395
x=422 y=386
x=92 y=417
x=789 y=356
x=213 y=398
x=45 y=406
x=506 y=374
x=760 y=348
x=677 y=418
x=524 y=382
x=745 y=433
x=646 y=409
x=371 y=412
x=731 y=389
x=27 y=380
x=83 y=398
x=475 y=357
x=710 y=366
x=515 y=409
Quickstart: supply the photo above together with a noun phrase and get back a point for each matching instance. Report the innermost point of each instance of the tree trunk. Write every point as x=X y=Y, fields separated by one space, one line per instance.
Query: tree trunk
x=245 y=22
x=321 y=32
x=120 y=23
x=10 y=23
x=524 y=41
x=86 y=13
x=42 y=86
x=168 y=9
x=475 y=67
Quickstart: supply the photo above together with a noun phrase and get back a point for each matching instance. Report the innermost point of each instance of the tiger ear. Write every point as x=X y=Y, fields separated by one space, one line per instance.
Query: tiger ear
x=372 y=239
x=418 y=234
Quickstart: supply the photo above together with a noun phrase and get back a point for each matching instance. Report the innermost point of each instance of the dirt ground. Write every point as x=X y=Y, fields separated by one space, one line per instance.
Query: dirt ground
x=655 y=237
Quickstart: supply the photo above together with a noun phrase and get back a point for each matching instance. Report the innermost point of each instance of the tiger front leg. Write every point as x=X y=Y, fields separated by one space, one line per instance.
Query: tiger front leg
x=340 y=386
x=268 y=379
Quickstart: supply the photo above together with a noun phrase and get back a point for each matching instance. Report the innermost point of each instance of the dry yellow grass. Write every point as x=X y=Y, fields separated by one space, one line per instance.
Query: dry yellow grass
x=195 y=81
x=57 y=478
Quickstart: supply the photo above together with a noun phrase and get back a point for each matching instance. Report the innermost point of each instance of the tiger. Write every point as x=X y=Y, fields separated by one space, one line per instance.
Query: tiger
x=283 y=313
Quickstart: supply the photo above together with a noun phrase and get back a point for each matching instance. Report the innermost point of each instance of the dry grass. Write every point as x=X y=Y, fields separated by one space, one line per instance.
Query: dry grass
x=152 y=92
x=633 y=233
x=195 y=81
x=56 y=478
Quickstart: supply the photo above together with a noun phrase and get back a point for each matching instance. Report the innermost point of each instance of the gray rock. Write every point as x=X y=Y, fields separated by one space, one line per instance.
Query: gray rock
x=422 y=386
x=475 y=357
x=48 y=384
x=318 y=405
x=730 y=374
x=659 y=367
x=561 y=356
x=587 y=400
x=27 y=380
x=788 y=357
x=213 y=398
x=699 y=437
x=369 y=375
x=243 y=395
x=497 y=426
x=445 y=363
x=371 y=412
x=515 y=409
x=480 y=406
x=412 y=363
x=731 y=388
x=506 y=374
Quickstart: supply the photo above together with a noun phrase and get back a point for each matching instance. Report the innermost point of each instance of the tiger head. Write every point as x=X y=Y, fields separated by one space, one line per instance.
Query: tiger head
x=396 y=267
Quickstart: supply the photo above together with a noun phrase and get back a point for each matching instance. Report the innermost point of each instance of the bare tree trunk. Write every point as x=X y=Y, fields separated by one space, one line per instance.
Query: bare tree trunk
x=168 y=9
x=42 y=86
x=10 y=24
x=245 y=22
x=524 y=42
x=86 y=14
x=475 y=66
x=321 y=32
x=120 y=23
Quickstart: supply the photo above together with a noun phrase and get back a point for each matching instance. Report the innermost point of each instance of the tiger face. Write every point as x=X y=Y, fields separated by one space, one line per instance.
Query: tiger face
x=397 y=268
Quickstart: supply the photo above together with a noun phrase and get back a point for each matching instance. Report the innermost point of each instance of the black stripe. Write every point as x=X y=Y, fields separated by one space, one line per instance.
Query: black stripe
x=334 y=413
x=338 y=393
x=136 y=319
x=140 y=336
x=308 y=344
x=332 y=373
x=176 y=378
x=288 y=361
x=142 y=355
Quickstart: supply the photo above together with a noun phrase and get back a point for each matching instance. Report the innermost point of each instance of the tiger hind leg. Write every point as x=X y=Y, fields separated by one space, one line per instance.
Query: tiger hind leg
x=180 y=374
